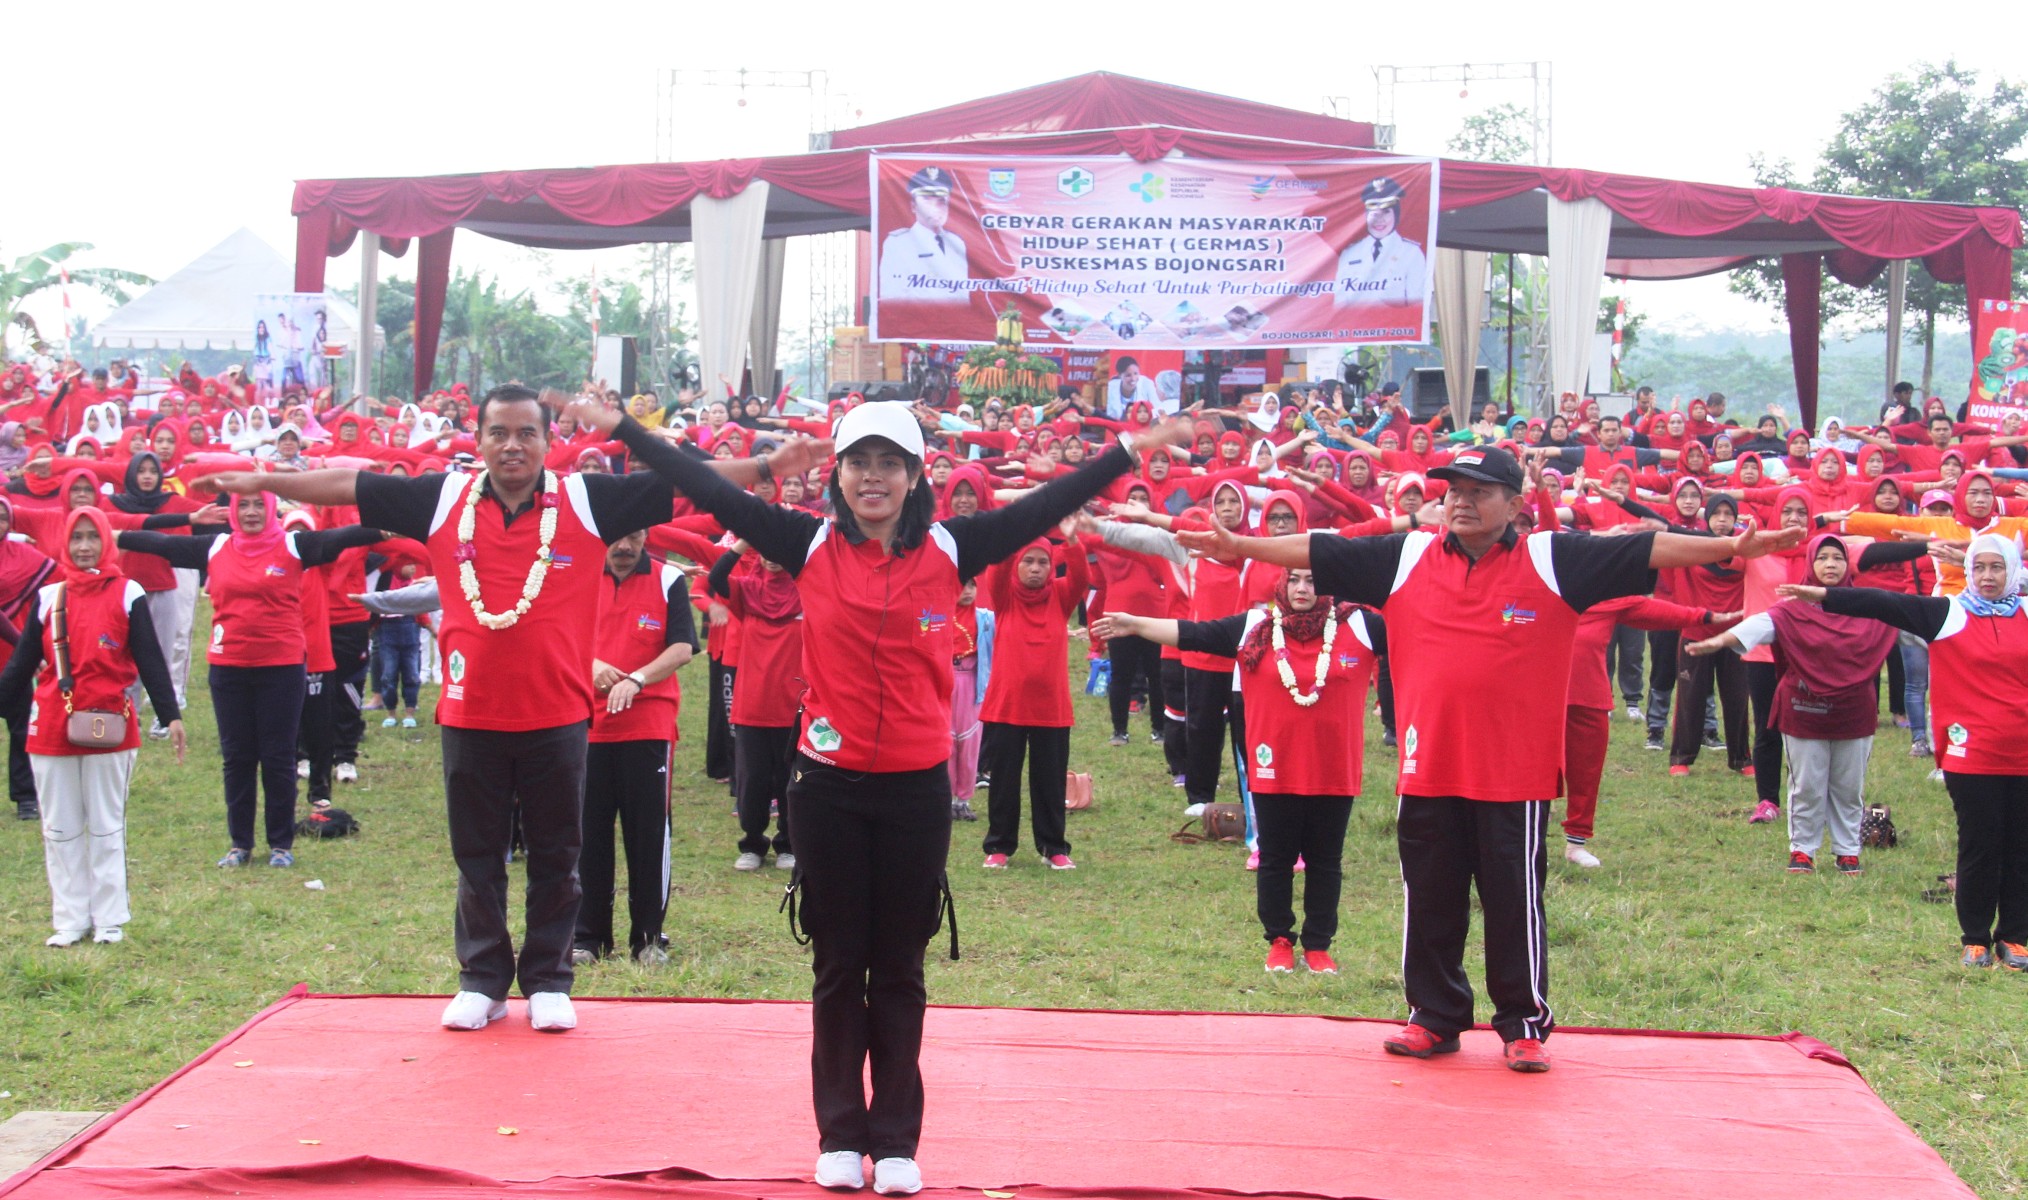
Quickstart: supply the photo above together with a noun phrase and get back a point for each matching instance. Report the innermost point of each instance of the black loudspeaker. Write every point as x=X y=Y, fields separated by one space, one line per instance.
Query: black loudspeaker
x=1428 y=394
x=614 y=362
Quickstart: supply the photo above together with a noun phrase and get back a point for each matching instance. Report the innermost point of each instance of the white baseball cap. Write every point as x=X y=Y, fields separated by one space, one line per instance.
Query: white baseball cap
x=890 y=419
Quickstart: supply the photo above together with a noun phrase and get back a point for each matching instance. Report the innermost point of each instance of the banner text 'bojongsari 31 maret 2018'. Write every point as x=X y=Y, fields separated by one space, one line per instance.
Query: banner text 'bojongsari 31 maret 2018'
x=1176 y=253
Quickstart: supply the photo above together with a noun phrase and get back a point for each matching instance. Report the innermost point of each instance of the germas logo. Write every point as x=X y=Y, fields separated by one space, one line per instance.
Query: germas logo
x=1148 y=187
x=106 y=642
x=1514 y=615
x=928 y=621
x=1262 y=185
x=646 y=624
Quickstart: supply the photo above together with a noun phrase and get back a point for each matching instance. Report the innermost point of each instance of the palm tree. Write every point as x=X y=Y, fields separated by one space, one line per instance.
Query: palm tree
x=32 y=273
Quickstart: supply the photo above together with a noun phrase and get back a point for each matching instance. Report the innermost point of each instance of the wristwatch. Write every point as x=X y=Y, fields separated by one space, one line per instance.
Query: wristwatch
x=637 y=680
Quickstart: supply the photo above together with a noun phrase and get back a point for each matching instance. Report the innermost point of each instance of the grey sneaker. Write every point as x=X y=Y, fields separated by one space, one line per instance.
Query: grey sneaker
x=236 y=857
x=581 y=957
x=652 y=955
x=281 y=858
x=785 y=861
x=747 y=861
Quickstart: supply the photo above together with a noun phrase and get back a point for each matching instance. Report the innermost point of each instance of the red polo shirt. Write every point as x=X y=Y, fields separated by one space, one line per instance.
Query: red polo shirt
x=1480 y=651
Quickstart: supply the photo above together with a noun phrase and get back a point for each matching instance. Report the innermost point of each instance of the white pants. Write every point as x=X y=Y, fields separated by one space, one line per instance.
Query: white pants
x=185 y=614
x=84 y=836
x=1827 y=785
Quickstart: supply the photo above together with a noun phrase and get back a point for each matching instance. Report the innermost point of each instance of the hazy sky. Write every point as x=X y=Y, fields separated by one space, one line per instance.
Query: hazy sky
x=153 y=131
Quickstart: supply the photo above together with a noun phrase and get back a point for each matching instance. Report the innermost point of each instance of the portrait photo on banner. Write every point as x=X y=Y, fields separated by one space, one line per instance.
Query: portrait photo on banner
x=291 y=338
x=1175 y=254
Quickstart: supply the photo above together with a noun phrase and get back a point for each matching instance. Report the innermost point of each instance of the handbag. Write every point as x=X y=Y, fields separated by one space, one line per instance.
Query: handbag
x=90 y=728
x=1220 y=823
x=1076 y=790
x=1877 y=830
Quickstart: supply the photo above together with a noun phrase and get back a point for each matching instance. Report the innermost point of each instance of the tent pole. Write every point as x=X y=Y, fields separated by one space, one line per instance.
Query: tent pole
x=369 y=305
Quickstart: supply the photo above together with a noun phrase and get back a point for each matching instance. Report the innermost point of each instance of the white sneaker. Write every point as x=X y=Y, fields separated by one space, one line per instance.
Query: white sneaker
x=844 y=1170
x=550 y=1012
x=302 y=766
x=581 y=957
x=897 y=1177
x=785 y=862
x=473 y=1010
x=345 y=773
x=747 y=861
x=388 y=722
x=1936 y=776
x=108 y=935
x=652 y=955
x=1579 y=855
x=65 y=937
x=1635 y=714
x=1193 y=810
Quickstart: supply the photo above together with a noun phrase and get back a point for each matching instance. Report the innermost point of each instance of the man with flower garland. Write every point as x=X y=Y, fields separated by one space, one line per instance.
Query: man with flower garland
x=526 y=548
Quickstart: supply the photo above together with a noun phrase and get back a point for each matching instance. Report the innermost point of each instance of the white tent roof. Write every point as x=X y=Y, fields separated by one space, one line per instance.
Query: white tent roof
x=209 y=304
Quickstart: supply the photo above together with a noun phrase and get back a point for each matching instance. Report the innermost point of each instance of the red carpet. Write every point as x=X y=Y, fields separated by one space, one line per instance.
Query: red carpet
x=709 y=1099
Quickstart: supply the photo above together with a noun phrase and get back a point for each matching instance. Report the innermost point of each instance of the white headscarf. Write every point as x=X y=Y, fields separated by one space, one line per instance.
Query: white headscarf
x=2009 y=602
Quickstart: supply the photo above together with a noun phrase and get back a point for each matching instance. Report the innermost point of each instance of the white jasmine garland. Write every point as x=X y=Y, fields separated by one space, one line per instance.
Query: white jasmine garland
x=538 y=571
x=1287 y=672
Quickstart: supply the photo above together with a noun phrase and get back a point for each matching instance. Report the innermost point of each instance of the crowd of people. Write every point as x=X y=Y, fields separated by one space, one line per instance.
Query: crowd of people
x=888 y=596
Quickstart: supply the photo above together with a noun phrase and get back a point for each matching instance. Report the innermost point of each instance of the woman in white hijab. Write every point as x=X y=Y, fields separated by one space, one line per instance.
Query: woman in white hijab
x=1978 y=646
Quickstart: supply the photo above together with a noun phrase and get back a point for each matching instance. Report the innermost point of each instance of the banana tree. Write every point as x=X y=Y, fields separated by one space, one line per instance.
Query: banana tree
x=32 y=273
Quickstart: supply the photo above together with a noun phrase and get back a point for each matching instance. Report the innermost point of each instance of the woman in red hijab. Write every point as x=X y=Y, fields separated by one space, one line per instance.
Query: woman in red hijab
x=1825 y=704
x=85 y=643
x=258 y=653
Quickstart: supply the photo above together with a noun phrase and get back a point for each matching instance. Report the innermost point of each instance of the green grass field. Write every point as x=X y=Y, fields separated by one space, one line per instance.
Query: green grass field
x=1690 y=924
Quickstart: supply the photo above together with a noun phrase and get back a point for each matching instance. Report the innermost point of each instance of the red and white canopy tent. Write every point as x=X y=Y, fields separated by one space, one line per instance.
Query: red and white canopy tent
x=1588 y=223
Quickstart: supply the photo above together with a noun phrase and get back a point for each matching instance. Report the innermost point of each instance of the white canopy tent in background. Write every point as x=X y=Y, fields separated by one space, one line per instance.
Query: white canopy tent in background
x=209 y=304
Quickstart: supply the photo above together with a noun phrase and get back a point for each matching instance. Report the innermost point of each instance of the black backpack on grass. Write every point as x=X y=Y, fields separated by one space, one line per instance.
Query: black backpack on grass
x=328 y=823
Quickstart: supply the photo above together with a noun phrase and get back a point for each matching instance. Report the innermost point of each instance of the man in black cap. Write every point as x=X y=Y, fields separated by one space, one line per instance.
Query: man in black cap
x=915 y=258
x=1382 y=267
x=1480 y=622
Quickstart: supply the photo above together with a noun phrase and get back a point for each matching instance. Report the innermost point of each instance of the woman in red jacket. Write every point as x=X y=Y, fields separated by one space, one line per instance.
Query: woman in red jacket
x=84 y=643
x=1027 y=711
x=1978 y=642
x=1304 y=668
x=258 y=654
x=870 y=786
x=764 y=600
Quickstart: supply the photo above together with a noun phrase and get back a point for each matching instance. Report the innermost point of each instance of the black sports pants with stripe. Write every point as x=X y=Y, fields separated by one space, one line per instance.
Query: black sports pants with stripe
x=1448 y=844
x=628 y=781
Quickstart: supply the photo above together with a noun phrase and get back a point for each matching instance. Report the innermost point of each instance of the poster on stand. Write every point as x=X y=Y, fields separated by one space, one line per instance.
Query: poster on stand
x=1176 y=254
x=291 y=331
x=2000 y=372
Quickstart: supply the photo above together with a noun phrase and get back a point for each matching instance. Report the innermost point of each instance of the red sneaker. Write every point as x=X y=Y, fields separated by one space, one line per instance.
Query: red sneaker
x=1848 y=864
x=995 y=862
x=1800 y=863
x=1416 y=1042
x=1746 y=772
x=1763 y=813
x=1281 y=956
x=1061 y=862
x=1526 y=1054
x=1679 y=769
x=1320 y=962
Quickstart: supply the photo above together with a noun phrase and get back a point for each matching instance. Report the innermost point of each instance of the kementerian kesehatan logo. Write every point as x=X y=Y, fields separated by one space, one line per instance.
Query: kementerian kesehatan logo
x=457 y=666
x=1075 y=181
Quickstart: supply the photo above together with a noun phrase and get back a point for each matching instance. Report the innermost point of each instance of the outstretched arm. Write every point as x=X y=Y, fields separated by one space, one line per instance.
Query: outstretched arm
x=329 y=487
x=1162 y=631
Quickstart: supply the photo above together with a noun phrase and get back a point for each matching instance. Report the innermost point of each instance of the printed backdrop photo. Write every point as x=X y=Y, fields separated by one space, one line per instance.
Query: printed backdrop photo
x=1175 y=254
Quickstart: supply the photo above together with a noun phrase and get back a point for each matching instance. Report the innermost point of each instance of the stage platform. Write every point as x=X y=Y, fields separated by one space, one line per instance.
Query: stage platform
x=330 y=1095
